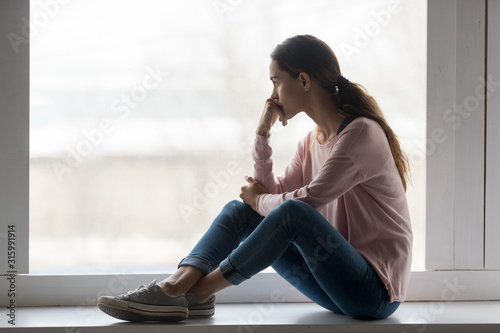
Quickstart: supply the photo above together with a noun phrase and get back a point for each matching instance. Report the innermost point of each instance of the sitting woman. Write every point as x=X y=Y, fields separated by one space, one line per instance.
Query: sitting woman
x=335 y=224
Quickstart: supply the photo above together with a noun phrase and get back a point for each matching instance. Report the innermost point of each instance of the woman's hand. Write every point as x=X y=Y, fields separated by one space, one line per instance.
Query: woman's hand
x=272 y=112
x=251 y=192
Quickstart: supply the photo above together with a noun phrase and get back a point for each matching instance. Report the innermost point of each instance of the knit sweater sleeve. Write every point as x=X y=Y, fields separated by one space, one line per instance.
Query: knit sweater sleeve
x=290 y=180
x=338 y=174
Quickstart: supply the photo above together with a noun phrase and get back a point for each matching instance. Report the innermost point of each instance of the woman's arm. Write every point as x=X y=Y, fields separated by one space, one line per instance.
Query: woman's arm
x=290 y=180
x=337 y=176
x=339 y=173
x=262 y=153
x=250 y=193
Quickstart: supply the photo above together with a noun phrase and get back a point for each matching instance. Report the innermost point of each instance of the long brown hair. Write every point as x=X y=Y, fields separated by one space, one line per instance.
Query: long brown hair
x=305 y=53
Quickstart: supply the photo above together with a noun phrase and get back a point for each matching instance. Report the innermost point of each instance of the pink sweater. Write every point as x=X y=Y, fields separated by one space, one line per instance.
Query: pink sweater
x=353 y=182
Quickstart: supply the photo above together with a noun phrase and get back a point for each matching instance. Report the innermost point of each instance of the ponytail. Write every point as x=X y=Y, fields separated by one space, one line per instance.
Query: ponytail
x=354 y=101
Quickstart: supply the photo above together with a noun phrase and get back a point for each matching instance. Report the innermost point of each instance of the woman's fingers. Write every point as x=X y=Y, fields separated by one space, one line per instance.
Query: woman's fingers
x=272 y=112
x=283 y=121
x=249 y=179
x=251 y=192
x=277 y=110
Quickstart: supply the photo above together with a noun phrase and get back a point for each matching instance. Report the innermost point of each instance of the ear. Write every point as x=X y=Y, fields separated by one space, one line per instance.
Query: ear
x=305 y=81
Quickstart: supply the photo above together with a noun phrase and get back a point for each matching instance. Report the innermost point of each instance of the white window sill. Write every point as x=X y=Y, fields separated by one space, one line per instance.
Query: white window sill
x=83 y=290
x=270 y=317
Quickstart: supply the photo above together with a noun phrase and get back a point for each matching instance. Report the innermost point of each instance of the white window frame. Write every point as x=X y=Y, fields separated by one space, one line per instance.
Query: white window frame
x=455 y=179
x=462 y=199
x=492 y=191
x=458 y=251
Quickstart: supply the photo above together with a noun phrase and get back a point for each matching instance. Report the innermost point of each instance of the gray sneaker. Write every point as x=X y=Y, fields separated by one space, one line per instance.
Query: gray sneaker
x=145 y=304
x=200 y=310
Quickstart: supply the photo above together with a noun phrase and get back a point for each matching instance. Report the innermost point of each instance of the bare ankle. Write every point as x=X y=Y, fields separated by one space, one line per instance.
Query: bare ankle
x=200 y=295
x=181 y=281
x=171 y=288
x=209 y=285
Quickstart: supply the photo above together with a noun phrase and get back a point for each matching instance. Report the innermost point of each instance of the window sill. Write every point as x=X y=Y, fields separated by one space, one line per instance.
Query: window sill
x=83 y=290
x=270 y=317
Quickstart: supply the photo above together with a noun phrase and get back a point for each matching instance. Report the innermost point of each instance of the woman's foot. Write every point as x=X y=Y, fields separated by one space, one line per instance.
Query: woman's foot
x=198 y=309
x=152 y=304
x=145 y=304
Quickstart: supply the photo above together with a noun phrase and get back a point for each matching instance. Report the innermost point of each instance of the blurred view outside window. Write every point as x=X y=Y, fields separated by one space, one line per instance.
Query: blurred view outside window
x=143 y=116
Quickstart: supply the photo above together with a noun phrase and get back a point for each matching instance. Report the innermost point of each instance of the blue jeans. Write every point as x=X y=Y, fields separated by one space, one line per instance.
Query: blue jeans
x=302 y=247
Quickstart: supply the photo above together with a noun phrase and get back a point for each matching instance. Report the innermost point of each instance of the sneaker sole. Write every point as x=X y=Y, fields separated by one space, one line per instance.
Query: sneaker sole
x=201 y=313
x=131 y=311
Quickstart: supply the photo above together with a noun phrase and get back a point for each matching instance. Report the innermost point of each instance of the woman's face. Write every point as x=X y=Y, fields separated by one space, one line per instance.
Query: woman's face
x=288 y=91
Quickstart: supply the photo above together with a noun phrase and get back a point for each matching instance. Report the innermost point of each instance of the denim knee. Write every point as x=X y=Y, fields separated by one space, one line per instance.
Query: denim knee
x=294 y=209
x=235 y=205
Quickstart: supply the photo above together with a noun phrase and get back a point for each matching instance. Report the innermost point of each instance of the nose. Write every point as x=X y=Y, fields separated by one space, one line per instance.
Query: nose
x=274 y=94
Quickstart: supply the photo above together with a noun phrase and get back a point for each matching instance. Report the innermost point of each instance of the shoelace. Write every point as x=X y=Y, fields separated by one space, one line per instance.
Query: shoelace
x=137 y=290
x=140 y=289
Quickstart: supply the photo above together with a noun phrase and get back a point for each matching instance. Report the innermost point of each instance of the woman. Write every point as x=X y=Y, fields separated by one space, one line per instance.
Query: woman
x=335 y=224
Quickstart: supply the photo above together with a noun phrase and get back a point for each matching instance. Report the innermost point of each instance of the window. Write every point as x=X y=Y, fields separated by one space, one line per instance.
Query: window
x=142 y=123
x=447 y=22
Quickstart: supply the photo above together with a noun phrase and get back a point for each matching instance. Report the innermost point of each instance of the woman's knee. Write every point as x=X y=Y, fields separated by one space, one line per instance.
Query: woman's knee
x=235 y=205
x=234 y=210
x=295 y=208
x=240 y=213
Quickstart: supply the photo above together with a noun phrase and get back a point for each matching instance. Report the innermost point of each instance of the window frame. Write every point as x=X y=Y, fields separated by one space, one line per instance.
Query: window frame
x=444 y=281
x=452 y=212
x=461 y=193
x=492 y=180
x=14 y=139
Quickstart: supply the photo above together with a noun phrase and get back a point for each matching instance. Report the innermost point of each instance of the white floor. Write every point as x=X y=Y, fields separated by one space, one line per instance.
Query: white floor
x=268 y=317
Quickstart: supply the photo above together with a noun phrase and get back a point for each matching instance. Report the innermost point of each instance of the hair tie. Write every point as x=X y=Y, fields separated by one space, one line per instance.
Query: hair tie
x=341 y=80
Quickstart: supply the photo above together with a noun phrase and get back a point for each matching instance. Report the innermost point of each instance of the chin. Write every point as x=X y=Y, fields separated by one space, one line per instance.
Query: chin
x=291 y=115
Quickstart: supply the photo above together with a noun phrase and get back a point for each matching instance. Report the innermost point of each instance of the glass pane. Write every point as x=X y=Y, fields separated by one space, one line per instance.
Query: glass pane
x=143 y=116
